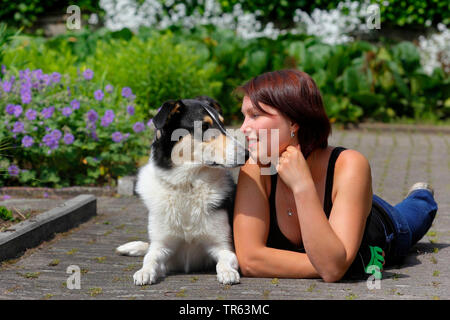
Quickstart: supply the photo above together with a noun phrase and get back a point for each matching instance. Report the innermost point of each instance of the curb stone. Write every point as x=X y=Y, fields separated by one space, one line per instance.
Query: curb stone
x=385 y=127
x=126 y=185
x=68 y=192
x=32 y=232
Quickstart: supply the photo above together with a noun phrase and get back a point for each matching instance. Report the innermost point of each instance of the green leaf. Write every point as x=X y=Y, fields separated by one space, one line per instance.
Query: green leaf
x=5 y=214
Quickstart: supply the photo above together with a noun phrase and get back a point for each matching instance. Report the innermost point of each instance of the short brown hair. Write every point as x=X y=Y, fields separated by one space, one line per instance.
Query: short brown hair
x=295 y=94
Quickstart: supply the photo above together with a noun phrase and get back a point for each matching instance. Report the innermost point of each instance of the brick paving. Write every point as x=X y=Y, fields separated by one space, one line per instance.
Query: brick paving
x=398 y=159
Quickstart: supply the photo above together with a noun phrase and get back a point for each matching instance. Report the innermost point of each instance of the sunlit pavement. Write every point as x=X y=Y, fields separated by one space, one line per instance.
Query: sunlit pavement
x=397 y=158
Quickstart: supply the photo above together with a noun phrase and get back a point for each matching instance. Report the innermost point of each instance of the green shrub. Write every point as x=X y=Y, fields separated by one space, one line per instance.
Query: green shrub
x=360 y=81
x=33 y=53
x=157 y=68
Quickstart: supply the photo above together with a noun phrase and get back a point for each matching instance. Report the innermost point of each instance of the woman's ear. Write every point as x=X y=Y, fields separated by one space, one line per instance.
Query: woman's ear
x=294 y=126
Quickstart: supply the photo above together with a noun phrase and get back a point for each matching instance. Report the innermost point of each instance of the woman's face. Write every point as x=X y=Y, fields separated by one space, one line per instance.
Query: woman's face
x=268 y=134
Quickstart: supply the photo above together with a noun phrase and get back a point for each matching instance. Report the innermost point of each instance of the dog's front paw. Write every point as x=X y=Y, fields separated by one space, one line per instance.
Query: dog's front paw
x=145 y=276
x=228 y=275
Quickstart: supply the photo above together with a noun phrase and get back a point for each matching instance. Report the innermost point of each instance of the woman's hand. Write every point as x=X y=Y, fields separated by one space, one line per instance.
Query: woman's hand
x=293 y=169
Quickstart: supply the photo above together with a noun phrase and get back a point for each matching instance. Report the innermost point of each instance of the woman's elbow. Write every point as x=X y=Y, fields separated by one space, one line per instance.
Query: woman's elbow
x=333 y=275
x=330 y=278
x=247 y=267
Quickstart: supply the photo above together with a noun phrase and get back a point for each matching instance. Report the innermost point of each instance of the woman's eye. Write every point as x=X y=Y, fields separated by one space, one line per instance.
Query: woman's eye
x=254 y=115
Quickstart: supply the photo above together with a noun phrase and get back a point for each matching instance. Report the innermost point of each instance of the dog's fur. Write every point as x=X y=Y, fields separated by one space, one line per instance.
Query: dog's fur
x=190 y=201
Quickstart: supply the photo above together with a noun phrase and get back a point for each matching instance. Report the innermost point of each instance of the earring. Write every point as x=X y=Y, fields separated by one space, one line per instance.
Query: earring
x=292 y=134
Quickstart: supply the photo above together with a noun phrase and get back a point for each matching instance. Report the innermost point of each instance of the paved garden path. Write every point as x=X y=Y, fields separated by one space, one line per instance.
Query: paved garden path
x=398 y=159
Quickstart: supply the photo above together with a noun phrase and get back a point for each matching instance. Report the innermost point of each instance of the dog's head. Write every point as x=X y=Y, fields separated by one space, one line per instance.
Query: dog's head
x=192 y=132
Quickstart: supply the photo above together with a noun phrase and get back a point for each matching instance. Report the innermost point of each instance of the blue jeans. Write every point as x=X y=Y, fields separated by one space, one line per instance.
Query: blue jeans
x=411 y=218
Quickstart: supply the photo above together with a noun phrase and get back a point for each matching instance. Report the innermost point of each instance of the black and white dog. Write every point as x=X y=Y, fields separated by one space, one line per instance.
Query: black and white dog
x=189 y=193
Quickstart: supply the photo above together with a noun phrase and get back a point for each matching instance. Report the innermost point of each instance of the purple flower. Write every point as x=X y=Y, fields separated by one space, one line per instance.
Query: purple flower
x=18 y=127
x=56 y=134
x=37 y=74
x=149 y=122
x=138 y=127
x=130 y=109
x=18 y=110
x=126 y=92
x=88 y=74
x=46 y=79
x=10 y=108
x=27 y=141
x=56 y=77
x=45 y=194
x=6 y=197
x=92 y=115
x=48 y=112
x=68 y=138
x=117 y=136
x=98 y=95
x=7 y=85
x=31 y=114
x=94 y=134
x=66 y=111
x=75 y=104
x=50 y=141
x=108 y=118
x=13 y=170
x=109 y=88
x=25 y=94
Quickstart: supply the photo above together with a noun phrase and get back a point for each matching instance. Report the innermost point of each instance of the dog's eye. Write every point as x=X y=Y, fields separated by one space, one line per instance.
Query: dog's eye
x=205 y=126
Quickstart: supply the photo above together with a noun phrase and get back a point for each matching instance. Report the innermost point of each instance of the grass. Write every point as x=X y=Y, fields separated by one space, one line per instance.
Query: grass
x=30 y=275
x=95 y=291
x=54 y=263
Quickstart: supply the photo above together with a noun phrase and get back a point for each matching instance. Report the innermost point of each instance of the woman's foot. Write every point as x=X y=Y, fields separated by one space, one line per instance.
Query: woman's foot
x=420 y=185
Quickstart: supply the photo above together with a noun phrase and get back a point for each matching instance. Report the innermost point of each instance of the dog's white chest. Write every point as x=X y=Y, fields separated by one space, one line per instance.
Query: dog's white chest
x=187 y=212
x=183 y=209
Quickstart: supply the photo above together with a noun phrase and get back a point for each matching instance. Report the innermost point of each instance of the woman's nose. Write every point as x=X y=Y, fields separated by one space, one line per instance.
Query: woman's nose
x=244 y=127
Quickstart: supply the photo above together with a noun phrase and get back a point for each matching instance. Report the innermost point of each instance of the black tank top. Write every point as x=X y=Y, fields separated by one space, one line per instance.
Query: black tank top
x=378 y=229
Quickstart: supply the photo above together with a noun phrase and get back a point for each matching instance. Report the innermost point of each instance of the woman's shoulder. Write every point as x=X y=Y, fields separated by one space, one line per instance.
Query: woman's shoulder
x=349 y=158
x=350 y=164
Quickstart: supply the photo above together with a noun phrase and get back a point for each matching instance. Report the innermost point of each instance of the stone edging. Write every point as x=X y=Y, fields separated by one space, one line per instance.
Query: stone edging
x=397 y=127
x=32 y=232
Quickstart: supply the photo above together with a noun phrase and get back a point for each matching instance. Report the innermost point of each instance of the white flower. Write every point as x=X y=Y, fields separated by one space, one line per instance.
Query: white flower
x=435 y=50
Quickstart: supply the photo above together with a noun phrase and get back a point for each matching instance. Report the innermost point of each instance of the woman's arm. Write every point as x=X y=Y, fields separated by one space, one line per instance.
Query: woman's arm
x=251 y=229
x=332 y=244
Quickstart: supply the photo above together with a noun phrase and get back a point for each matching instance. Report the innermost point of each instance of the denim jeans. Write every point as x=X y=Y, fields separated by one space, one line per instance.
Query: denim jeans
x=411 y=218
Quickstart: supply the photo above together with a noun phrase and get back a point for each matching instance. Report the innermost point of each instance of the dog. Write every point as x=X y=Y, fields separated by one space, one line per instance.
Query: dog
x=189 y=193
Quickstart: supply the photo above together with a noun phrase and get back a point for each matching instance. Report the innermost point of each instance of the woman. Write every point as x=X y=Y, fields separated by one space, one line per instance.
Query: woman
x=316 y=217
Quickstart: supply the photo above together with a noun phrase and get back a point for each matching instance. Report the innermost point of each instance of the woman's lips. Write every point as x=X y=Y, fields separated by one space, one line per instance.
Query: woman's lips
x=252 y=142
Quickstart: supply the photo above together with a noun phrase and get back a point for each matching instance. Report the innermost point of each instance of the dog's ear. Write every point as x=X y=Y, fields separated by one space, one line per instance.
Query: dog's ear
x=211 y=102
x=167 y=110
